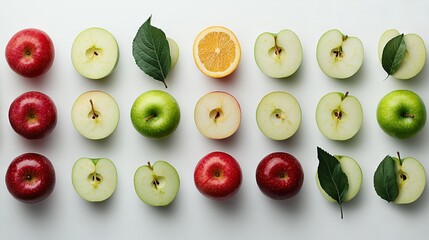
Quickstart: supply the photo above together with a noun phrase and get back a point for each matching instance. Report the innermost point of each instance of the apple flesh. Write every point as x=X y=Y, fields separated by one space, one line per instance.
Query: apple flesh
x=411 y=178
x=94 y=179
x=95 y=114
x=278 y=115
x=30 y=52
x=354 y=177
x=339 y=116
x=217 y=115
x=278 y=55
x=30 y=178
x=174 y=52
x=338 y=55
x=279 y=176
x=155 y=114
x=95 y=53
x=415 y=55
x=401 y=113
x=218 y=176
x=33 y=115
x=157 y=184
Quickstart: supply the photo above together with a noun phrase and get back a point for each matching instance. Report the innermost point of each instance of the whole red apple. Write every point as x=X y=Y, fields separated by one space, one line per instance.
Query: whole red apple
x=30 y=52
x=218 y=176
x=279 y=175
x=30 y=178
x=33 y=115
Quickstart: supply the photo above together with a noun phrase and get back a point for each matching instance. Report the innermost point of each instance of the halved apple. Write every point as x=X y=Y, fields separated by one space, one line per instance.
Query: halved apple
x=278 y=55
x=174 y=52
x=411 y=178
x=338 y=55
x=415 y=55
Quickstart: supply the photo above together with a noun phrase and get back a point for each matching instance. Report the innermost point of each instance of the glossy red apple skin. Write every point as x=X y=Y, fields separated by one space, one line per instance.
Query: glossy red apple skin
x=30 y=178
x=279 y=175
x=218 y=176
x=30 y=52
x=33 y=115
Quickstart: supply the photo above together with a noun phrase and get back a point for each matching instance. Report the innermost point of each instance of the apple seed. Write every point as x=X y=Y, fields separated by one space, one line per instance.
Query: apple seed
x=94 y=114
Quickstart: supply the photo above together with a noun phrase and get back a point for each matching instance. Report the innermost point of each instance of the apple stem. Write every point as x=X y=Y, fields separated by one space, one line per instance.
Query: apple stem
x=409 y=115
x=345 y=95
x=149 y=117
x=150 y=166
x=94 y=115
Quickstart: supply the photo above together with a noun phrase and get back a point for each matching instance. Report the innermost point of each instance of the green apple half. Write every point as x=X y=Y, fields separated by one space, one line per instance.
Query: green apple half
x=157 y=184
x=94 y=179
x=155 y=114
x=354 y=177
x=95 y=114
x=411 y=178
x=338 y=55
x=415 y=55
x=401 y=113
x=278 y=115
x=95 y=53
x=339 y=116
x=174 y=52
x=278 y=55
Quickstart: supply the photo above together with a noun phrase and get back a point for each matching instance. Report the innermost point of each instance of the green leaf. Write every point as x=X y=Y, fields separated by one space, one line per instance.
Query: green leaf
x=152 y=52
x=385 y=181
x=393 y=54
x=331 y=177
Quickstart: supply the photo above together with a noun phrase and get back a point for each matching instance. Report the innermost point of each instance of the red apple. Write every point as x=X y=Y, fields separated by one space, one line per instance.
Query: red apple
x=279 y=175
x=218 y=176
x=33 y=115
x=30 y=52
x=30 y=178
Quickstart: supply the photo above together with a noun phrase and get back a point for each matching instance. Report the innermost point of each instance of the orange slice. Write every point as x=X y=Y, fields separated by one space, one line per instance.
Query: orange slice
x=217 y=51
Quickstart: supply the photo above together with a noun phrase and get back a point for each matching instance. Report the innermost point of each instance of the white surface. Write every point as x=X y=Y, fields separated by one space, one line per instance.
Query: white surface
x=249 y=215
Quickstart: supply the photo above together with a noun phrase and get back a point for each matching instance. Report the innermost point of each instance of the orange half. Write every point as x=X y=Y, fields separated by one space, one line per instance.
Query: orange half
x=216 y=51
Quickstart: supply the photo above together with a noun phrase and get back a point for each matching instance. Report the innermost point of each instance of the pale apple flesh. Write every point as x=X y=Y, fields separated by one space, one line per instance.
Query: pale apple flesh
x=278 y=55
x=411 y=178
x=94 y=180
x=174 y=52
x=217 y=115
x=95 y=114
x=157 y=184
x=95 y=53
x=415 y=55
x=352 y=170
x=278 y=115
x=339 y=56
x=339 y=116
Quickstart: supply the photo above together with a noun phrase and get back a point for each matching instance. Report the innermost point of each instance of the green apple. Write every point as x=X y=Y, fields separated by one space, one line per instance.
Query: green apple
x=401 y=113
x=278 y=115
x=415 y=55
x=278 y=55
x=174 y=52
x=338 y=55
x=217 y=115
x=157 y=184
x=155 y=114
x=339 y=116
x=95 y=53
x=411 y=178
x=354 y=177
x=94 y=179
x=95 y=114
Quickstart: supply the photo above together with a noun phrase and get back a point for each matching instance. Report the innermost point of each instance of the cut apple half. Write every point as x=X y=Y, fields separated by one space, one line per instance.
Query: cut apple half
x=415 y=54
x=278 y=55
x=411 y=178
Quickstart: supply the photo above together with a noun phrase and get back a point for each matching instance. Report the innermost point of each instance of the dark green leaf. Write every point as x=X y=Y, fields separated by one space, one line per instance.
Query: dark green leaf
x=393 y=54
x=385 y=181
x=331 y=177
x=152 y=52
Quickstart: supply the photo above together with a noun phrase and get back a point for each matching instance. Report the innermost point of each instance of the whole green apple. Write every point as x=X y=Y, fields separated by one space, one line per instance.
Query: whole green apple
x=155 y=114
x=401 y=113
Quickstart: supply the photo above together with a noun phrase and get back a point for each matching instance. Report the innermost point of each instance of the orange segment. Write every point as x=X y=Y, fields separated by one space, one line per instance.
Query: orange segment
x=217 y=51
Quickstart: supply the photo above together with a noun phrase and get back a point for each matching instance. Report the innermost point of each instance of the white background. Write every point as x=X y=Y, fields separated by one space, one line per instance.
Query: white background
x=249 y=214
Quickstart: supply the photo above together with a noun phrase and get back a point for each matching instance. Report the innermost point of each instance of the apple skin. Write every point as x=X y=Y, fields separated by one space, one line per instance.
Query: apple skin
x=279 y=175
x=155 y=114
x=401 y=113
x=218 y=176
x=33 y=115
x=30 y=52
x=30 y=178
